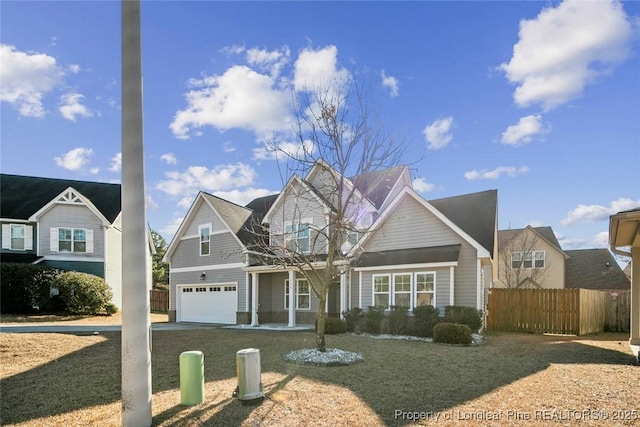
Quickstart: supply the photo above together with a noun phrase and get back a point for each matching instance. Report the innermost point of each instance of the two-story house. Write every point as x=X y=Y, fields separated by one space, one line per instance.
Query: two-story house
x=67 y=224
x=400 y=250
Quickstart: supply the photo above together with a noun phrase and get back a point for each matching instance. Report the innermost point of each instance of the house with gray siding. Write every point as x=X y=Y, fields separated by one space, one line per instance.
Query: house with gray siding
x=402 y=250
x=67 y=224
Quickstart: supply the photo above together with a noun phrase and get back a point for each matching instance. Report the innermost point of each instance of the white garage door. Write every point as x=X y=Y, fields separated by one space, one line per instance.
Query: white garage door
x=207 y=304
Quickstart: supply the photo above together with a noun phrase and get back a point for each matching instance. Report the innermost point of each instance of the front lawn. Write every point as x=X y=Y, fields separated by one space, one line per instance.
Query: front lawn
x=74 y=379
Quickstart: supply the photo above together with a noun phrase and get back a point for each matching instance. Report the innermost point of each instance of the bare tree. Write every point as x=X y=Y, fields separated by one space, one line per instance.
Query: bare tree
x=324 y=216
x=522 y=262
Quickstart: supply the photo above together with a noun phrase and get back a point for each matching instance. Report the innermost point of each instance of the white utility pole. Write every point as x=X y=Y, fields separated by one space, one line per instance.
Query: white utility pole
x=136 y=322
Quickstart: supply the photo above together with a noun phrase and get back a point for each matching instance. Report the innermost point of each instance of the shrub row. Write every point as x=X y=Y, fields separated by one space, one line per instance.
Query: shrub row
x=27 y=288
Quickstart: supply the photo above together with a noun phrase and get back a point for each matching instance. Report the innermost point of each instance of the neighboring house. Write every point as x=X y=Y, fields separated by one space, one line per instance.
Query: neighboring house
x=624 y=239
x=530 y=257
x=594 y=269
x=67 y=224
x=404 y=250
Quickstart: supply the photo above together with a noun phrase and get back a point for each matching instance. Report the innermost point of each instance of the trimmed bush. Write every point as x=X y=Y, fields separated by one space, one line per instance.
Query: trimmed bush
x=333 y=325
x=353 y=318
x=464 y=315
x=26 y=287
x=83 y=293
x=398 y=319
x=452 y=333
x=425 y=317
x=373 y=319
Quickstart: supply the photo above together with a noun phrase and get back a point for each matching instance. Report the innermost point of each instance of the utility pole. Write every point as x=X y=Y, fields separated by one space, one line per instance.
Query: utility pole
x=136 y=322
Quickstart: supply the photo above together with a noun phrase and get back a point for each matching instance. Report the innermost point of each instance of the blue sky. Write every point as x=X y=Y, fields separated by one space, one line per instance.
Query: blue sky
x=540 y=100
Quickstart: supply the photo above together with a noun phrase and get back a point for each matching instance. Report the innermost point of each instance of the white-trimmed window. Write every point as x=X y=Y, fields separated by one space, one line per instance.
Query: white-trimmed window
x=17 y=237
x=303 y=294
x=533 y=259
x=204 y=231
x=402 y=289
x=73 y=240
x=381 y=287
x=297 y=236
x=425 y=289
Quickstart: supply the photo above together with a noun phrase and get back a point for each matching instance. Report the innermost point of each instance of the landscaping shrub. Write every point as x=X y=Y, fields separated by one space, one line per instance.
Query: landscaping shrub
x=425 y=317
x=333 y=325
x=398 y=319
x=25 y=287
x=464 y=315
x=353 y=318
x=374 y=318
x=452 y=333
x=83 y=293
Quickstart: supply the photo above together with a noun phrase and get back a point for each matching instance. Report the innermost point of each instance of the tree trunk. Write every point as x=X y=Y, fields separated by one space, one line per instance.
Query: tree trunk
x=320 y=342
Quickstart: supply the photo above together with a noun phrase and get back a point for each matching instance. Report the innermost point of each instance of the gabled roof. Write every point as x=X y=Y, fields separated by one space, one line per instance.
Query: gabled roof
x=545 y=233
x=22 y=196
x=376 y=185
x=307 y=187
x=594 y=269
x=234 y=216
x=252 y=228
x=474 y=213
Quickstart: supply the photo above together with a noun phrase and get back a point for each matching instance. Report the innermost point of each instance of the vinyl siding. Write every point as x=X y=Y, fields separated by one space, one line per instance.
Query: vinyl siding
x=113 y=261
x=411 y=225
x=233 y=275
x=72 y=217
x=204 y=215
x=224 y=249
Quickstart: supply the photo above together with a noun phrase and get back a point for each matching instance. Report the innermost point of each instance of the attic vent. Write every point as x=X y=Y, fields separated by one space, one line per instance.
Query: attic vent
x=69 y=197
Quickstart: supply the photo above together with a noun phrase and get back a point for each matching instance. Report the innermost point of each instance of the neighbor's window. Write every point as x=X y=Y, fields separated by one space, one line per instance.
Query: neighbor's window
x=402 y=289
x=381 y=291
x=303 y=294
x=538 y=259
x=425 y=289
x=205 y=239
x=533 y=259
x=72 y=240
x=297 y=237
x=516 y=259
x=17 y=237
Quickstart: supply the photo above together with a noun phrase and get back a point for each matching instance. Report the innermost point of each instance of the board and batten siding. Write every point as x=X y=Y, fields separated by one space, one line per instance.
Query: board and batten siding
x=113 y=260
x=411 y=225
x=221 y=276
x=70 y=216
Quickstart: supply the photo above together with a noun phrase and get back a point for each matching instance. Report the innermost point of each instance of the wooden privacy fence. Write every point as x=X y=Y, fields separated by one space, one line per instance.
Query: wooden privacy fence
x=557 y=311
x=159 y=300
x=618 y=311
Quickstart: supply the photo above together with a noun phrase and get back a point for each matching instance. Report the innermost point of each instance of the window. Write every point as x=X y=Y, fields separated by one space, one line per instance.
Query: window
x=205 y=239
x=381 y=291
x=402 y=289
x=72 y=240
x=352 y=237
x=303 y=294
x=297 y=237
x=17 y=237
x=425 y=289
x=533 y=259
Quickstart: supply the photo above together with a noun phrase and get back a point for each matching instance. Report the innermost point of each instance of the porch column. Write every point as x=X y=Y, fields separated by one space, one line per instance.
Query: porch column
x=254 y=299
x=343 y=293
x=635 y=299
x=292 y=298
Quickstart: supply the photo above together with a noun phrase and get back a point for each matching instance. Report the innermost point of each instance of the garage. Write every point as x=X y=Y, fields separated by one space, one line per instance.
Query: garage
x=207 y=303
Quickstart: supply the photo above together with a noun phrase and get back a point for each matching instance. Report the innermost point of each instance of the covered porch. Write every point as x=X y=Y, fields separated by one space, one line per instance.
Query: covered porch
x=276 y=295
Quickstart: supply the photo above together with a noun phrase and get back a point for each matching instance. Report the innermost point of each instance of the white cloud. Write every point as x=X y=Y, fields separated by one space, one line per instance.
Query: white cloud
x=317 y=71
x=116 y=163
x=151 y=204
x=535 y=223
x=242 y=197
x=171 y=228
x=599 y=212
x=239 y=98
x=271 y=61
x=565 y=48
x=567 y=243
x=169 y=158
x=495 y=173
x=74 y=68
x=195 y=178
x=70 y=106
x=75 y=159
x=391 y=83
x=284 y=150
x=228 y=147
x=524 y=131
x=94 y=171
x=422 y=186
x=26 y=78
x=438 y=133
x=233 y=49
x=601 y=240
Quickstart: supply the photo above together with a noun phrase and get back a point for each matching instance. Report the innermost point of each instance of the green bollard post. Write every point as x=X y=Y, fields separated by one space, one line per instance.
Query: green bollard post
x=191 y=377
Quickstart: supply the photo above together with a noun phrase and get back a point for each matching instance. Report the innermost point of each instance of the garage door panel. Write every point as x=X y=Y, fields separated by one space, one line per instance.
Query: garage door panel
x=208 y=304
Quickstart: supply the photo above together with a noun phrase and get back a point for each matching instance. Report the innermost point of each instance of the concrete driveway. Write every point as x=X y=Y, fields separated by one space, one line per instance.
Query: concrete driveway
x=24 y=328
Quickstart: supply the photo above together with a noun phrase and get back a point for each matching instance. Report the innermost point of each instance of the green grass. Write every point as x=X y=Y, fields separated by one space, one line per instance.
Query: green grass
x=66 y=379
